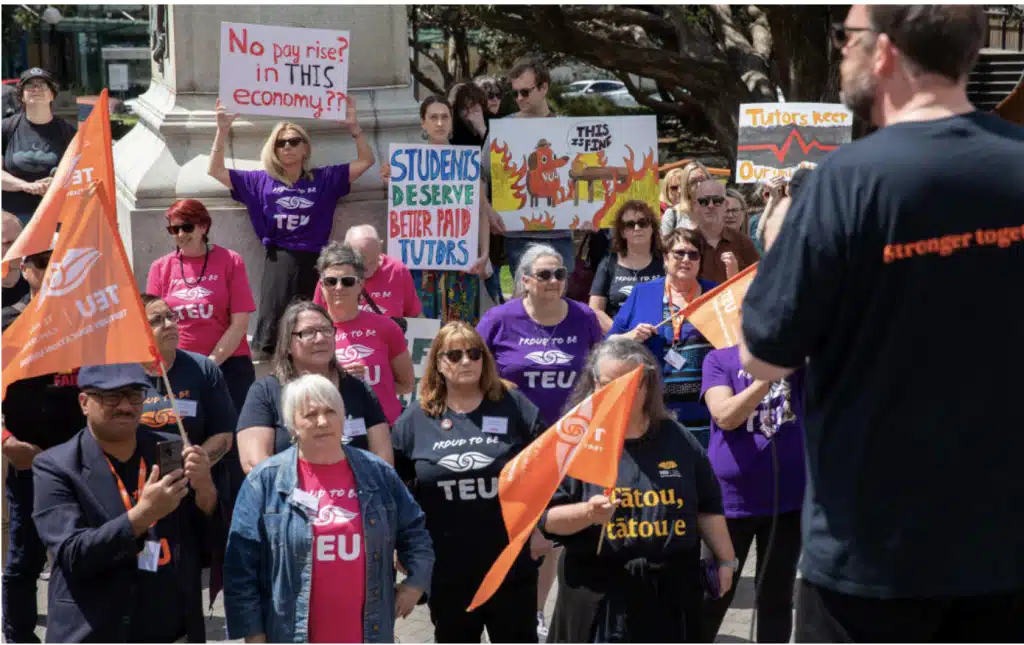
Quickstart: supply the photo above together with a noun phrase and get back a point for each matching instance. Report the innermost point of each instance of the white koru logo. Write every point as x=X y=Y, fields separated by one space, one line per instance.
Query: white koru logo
x=626 y=290
x=294 y=201
x=353 y=353
x=550 y=357
x=331 y=515
x=464 y=462
x=195 y=293
x=70 y=272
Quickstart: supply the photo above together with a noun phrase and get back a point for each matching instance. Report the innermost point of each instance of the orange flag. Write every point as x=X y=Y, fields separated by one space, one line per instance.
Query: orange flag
x=88 y=311
x=716 y=314
x=88 y=159
x=586 y=444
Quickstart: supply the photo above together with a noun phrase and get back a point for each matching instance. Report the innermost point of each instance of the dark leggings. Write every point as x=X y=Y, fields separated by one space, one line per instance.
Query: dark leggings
x=287 y=275
x=510 y=616
x=775 y=599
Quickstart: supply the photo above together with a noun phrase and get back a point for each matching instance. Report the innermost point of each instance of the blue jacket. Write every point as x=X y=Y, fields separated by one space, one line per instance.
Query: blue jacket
x=268 y=567
x=93 y=591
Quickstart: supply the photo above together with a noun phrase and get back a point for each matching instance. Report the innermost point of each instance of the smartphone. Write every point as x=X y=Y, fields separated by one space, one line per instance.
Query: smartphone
x=169 y=456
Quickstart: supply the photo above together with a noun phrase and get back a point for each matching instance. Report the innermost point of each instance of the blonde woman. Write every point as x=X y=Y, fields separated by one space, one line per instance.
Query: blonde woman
x=737 y=217
x=291 y=206
x=671 y=185
x=678 y=216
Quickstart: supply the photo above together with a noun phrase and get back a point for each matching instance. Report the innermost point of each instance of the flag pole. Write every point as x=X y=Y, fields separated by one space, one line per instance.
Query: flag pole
x=600 y=540
x=174 y=403
x=669 y=319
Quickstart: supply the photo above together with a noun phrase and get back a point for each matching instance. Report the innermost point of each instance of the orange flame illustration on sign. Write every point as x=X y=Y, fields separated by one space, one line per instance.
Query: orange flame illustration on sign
x=539 y=223
x=509 y=174
x=618 y=192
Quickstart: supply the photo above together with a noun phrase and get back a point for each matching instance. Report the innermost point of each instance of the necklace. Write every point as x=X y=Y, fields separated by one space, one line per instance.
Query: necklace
x=542 y=332
x=181 y=267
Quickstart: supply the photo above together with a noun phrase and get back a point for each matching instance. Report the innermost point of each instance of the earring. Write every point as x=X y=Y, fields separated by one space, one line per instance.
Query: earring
x=424 y=135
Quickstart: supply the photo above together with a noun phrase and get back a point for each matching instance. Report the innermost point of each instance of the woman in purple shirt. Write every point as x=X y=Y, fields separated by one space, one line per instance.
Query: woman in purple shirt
x=292 y=210
x=757 y=452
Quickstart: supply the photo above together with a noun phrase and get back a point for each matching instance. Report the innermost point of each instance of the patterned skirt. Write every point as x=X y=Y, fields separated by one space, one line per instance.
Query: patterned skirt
x=448 y=295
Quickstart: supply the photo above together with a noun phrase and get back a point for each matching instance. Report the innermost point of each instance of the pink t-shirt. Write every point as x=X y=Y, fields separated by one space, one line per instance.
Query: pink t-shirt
x=205 y=303
x=391 y=288
x=374 y=341
x=338 y=586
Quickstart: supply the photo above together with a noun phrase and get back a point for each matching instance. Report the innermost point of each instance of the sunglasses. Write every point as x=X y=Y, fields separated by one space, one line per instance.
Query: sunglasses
x=841 y=34
x=307 y=335
x=545 y=275
x=113 y=399
x=685 y=255
x=705 y=201
x=494 y=96
x=523 y=93
x=294 y=142
x=639 y=223
x=455 y=355
x=184 y=228
x=346 y=281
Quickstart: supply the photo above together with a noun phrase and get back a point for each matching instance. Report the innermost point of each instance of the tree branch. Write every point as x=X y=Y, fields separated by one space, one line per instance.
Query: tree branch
x=425 y=81
x=424 y=50
x=647 y=20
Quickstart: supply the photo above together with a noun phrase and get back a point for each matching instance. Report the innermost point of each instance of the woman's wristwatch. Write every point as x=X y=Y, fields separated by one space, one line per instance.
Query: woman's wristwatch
x=733 y=564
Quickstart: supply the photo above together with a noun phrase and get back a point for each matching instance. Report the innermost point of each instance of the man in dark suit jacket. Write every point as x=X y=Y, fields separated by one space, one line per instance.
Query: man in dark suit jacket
x=127 y=540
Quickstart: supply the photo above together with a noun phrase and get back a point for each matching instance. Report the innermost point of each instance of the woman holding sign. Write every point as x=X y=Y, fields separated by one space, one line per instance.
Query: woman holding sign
x=449 y=295
x=291 y=207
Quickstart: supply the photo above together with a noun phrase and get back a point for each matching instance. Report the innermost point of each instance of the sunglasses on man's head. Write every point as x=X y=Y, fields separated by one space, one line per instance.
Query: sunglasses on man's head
x=705 y=201
x=635 y=223
x=294 y=142
x=184 y=228
x=685 y=255
x=455 y=355
x=545 y=275
x=346 y=281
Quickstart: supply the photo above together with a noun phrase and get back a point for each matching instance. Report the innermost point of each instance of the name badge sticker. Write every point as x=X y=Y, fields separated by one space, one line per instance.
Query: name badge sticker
x=187 y=407
x=355 y=427
x=306 y=499
x=149 y=556
x=495 y=425
x=675 y=359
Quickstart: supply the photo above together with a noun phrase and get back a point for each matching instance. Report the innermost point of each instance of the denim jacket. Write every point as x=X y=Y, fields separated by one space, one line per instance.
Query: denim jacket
x=268 y=567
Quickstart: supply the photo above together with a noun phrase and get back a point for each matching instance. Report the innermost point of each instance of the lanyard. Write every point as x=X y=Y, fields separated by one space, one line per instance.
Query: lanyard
x=124 y=491
x=677 y=321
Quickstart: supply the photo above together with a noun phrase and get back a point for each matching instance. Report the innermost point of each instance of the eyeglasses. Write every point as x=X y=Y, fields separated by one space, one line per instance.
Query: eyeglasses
x=184 y=228
x=294 y=142
x=345 y=280
x=112 y=399
x=159 y=321
x=307 y=335
x=685 y=255
x=705 y=201
x=734 y=211
x=638 y=223
x=841 y=34
x=494 y=96
x=455 y=355
x=545 y=275
x=523 y=93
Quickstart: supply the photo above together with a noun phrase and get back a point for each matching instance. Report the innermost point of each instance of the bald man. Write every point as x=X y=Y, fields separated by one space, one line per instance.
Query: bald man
x=14 y=286
x=389 y=283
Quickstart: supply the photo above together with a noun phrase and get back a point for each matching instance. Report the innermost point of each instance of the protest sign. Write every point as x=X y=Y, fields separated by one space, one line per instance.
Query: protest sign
x=434 y=205
x=777 y=138
x=559 y=173
x=283 y=71
x=419 y=335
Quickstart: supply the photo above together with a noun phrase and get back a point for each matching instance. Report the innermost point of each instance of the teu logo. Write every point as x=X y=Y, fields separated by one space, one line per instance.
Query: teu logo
x=470 y=489
x=194 y=311
x=195 y=293
x=550 y=357
x=291 y=222
x=294 y=201
x=99 y=300
x=70 y=272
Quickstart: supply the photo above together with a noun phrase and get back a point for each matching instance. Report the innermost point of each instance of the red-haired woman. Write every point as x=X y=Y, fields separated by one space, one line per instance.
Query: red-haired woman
x=205 y=285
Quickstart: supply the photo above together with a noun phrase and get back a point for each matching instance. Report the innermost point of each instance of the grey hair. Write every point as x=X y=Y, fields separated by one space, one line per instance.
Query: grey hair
x=532 y=253
x=361 y=230
x=305 y=390
x=627 y=350
x=338 y=254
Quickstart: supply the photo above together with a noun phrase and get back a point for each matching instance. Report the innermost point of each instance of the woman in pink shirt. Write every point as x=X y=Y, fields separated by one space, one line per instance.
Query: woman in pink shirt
x=205 y=285
x=368 y=345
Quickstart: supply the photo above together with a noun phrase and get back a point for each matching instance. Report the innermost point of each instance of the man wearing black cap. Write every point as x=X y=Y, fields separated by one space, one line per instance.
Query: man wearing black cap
x=33 y=143
x=127 y=540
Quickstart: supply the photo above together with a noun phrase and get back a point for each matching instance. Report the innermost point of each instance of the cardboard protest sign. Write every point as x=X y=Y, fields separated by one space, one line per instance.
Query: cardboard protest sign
x=558 y=173
x=419 y=335
x=778 y=138
x=283 y=71
x=434 y=206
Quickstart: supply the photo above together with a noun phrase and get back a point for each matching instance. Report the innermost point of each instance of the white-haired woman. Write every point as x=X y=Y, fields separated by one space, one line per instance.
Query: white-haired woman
x=310 y=555
x=540 y=340
x=644 y=584
x=291 y=206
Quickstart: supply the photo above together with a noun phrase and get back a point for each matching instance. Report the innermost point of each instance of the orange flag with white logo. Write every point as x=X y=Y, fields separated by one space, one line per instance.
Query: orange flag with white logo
x=716 y=314
x=88 y=159
x=586 y=444
x=88 y=311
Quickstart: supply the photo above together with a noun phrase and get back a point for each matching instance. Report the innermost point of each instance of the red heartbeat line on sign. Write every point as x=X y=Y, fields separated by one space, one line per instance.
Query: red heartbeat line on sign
x=780 y=153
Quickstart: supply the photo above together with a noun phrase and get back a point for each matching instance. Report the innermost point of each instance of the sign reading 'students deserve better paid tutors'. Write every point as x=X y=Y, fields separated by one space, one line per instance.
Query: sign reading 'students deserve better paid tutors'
x=434 y=206
x=284 y=71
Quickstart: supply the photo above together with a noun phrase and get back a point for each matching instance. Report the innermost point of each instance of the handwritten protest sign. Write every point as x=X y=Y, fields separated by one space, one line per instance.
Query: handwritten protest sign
x=778 y=138
x=434 y=205
x=283 y=71
x=419 y=334
x=556 y=174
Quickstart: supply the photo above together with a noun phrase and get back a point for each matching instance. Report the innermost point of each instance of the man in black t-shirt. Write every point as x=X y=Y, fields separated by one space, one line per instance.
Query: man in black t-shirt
x=14 y=285
x=900 y=245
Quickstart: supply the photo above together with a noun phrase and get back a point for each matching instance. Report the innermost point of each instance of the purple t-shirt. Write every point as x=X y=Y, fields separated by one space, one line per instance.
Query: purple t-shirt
x=543 y=361
x=298 y=218
x=741 y=458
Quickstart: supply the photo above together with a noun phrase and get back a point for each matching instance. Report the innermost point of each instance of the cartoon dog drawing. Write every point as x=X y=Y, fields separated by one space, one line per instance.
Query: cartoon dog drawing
x=541 y=177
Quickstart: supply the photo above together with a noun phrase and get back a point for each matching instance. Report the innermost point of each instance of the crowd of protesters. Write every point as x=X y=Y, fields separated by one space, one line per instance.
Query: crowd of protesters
x=327 y=509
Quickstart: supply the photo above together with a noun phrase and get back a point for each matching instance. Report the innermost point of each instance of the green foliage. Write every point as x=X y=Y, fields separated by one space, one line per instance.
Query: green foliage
x=588 y=105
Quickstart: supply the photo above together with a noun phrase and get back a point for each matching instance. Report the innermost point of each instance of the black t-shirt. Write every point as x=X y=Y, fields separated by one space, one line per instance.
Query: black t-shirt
x=14 y=293
x=615 y=282
x=202 y=396
x=30 y=152
x=262 y=407
x=456 y=479
x=44 y=410
x=900 y=243
x=10 y=312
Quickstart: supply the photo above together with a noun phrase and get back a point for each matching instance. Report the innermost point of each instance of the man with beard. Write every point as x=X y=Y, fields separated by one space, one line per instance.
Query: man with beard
x=913 y=521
